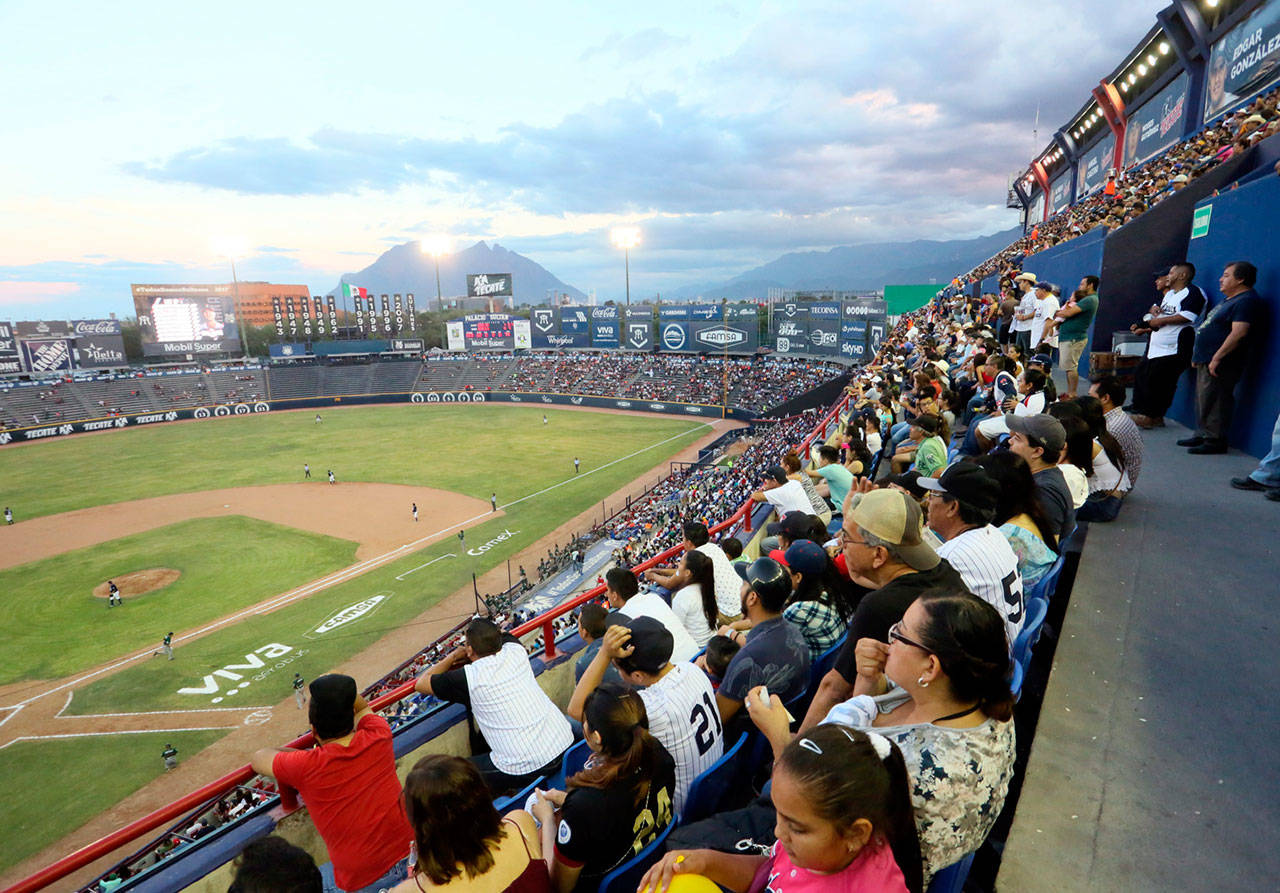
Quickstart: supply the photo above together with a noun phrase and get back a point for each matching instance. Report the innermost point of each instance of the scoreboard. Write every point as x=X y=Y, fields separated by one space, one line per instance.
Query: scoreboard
x=488 y=331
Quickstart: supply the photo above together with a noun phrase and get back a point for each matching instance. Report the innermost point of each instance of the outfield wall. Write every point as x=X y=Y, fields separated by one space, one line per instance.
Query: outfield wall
x=111 y=423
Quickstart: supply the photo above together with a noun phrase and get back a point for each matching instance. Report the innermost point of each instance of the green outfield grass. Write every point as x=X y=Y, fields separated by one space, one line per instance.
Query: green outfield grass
x=467 y=448
x=82 y=776
x=51 y=624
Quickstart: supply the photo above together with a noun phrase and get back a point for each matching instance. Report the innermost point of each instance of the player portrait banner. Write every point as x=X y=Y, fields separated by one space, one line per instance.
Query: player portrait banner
x=186 y=319
x=412 y=311
x=48 y=356
x=1157 y=123
x=1245 y=61
x=606 y=327
x=1060 y=193
x=1092 y=174
x=454 y=338
x=489 y=285
x=10 y=359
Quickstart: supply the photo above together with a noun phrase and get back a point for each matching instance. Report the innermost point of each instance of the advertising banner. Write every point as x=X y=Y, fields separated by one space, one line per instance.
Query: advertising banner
x=853 y=339
x=606 y=325
x=521 y=335
x=705 y=312
x=489 y=331
x=875 y=335
x=726 y=336
x=10 y=360
x=1092 y=173
x=1157 y=123
x=287 y=351
x=823 y=333
x=412 y=345
x=43 y=330
x=790 y=327
x=639 y=332
x=1060 y=193
x=573 y=339
x=81 y=328
x=1244 y=61
x=48 y=356
x=100 y=351
x=488 y=285
x=186 y=319
x=575 y=321
x=674 y=336
x=861 y=308
x=542 y=321
x=453 y=335
x=673 y=312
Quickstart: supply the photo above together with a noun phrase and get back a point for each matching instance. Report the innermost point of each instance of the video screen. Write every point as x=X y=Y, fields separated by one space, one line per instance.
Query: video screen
x=186 y=319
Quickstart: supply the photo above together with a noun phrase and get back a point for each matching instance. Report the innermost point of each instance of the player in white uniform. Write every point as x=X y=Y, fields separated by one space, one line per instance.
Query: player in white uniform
x=962 y=503
x=678 y=697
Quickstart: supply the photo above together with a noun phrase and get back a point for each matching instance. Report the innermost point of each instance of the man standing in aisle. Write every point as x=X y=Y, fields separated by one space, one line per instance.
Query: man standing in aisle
x=1025 y=311
x=1075 y=317
x=1219 y=355
x=1171 y=323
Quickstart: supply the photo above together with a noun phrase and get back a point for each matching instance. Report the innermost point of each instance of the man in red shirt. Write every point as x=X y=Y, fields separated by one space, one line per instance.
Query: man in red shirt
x=348 y=783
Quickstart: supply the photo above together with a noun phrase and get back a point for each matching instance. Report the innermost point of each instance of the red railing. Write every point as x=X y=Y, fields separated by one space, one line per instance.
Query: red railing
x=92 y=852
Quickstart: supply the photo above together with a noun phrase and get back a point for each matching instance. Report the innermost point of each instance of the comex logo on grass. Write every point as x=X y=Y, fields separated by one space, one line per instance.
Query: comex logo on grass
x=255 y=660
x=350 y=614
x=505 y=535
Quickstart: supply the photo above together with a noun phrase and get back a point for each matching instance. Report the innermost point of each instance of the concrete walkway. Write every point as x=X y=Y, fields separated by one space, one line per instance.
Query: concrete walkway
x=1156 y=763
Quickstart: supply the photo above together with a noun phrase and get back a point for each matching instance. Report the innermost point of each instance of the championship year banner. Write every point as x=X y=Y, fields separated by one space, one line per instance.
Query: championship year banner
x=1244 y=61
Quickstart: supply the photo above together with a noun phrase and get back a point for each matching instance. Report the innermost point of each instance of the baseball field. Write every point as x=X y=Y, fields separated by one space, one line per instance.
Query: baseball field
x=211 y=531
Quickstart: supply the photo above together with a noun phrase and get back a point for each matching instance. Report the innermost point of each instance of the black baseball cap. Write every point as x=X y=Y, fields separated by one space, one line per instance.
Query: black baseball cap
x=652 y=643
x=768 y=578
x=968 y=483
x=794 y=525
x=777 y=473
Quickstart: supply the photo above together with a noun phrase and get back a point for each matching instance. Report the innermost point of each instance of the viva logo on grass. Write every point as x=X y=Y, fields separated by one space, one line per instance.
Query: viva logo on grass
x=230 y=679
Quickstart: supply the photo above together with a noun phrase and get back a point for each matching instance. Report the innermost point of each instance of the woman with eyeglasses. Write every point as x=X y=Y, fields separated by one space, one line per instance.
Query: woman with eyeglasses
x=939 y=690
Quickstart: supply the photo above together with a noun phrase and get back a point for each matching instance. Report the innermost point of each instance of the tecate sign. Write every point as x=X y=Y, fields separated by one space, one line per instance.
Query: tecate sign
x=722 y=337
x=350 y=614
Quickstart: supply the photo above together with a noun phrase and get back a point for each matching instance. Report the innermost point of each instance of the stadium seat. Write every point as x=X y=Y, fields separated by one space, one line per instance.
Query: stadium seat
x=708 y=788
x=951 y=879
x=823 y=665
x=574 y=759
x=1044 y=587
x=626 y=877
x=516 y=800
x=1015 y=684
x=1037 y=608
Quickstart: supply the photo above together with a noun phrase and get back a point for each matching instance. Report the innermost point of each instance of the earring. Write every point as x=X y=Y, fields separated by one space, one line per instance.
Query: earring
x=922 y=682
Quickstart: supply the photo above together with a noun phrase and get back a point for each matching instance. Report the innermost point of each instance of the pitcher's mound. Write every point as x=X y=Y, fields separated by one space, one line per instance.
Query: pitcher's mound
x=139 y=582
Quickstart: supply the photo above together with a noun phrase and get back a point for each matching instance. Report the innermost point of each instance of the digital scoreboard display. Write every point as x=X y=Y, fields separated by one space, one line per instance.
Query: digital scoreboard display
x=186 y=319
x=489 y=331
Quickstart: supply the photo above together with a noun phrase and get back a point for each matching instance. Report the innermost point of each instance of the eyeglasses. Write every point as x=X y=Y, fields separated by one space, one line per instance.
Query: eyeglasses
x=896 y=636
x=847 y=540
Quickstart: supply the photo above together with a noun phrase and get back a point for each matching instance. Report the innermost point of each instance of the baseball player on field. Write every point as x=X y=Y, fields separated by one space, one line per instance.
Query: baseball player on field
x=170 y=757
x=414 y=509
x=306 y=471
x=166 y=647
x=299 y=690
x=113 y=594
x=331 y=478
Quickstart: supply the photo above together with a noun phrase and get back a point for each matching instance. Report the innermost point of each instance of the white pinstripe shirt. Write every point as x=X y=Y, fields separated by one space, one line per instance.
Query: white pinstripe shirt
x=985 y=561
x=524 y=728
x=683 y=715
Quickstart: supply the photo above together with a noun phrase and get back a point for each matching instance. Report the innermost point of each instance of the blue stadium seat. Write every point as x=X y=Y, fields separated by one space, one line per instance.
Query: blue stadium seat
x=951 y=879
x=760 y=751
x=823 y=665
x=708 y=789
x=573 y=760
x=1037 y=608
x=626 y=877
x=516 y=800
x=1015 y=684
x=1044 y=587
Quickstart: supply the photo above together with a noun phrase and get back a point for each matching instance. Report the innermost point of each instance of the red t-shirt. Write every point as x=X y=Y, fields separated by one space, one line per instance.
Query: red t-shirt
x=353 y=796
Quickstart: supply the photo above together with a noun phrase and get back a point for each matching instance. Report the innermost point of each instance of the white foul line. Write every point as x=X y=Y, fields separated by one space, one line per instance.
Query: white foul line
x=343 y=575
x=120 y=732
x=428 y=564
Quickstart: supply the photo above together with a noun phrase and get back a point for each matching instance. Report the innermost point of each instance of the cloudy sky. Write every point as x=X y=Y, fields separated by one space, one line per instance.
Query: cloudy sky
x=143 y=137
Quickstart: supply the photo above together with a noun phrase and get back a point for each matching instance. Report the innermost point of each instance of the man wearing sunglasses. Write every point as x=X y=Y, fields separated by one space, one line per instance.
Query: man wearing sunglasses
x=882 y=539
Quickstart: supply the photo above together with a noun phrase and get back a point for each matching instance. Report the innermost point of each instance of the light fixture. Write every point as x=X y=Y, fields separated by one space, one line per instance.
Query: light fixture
x=1124 y=88
x=1164 y=48
x=1151 y=58
x=1142 y=69
x=1212 y=4
x=1133 y=78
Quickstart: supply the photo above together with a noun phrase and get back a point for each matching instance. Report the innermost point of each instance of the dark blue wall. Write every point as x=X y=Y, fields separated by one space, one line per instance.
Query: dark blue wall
x=1243 y=227
x=1065 y=265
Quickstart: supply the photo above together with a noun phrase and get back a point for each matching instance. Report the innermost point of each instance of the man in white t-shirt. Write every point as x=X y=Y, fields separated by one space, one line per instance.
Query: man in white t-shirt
x=783 y=494
x=1169 y=349
x=1046 y=307
x=697 y=539
x=1025 y=311
x=625 y=597
x=677 y=697
x=526 y=732
x=961 y=504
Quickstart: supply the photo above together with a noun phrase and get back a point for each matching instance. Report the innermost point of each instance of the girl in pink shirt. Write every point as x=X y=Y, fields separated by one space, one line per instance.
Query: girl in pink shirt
x=844 y=824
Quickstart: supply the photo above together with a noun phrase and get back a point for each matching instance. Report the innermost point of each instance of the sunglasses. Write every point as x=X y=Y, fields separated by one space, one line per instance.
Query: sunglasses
x=896 y=636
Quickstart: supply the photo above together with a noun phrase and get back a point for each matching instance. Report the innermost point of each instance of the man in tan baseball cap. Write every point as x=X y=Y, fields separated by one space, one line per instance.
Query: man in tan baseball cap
x=884 y=549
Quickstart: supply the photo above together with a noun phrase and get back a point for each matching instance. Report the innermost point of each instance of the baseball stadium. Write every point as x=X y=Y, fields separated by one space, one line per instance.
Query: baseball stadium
x=821 y=586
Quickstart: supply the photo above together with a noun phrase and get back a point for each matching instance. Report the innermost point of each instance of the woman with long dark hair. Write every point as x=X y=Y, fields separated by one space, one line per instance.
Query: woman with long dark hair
x=460 y=841
x=617 y=804
x=1108 y=480
x=1020 y=516
x=695 y=602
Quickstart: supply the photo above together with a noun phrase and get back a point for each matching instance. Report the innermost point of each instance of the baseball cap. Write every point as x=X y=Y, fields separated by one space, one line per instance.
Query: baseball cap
x=909 y=481
x=1047 y=286
x=794 y=526
x=1042 y=359
x=927 y=423
x=768 y=578
x=1043 y=429
x=777 y=473
x=968 y=483
x=806 y=557
x=333 y=703
x=652 y=643
x=894 y=517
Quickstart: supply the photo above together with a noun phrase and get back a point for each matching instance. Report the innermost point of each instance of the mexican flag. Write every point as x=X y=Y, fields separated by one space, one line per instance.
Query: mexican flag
x=352 y=291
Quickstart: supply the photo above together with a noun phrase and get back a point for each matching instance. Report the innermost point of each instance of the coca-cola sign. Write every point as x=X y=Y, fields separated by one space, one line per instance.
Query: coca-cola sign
x=81 y=327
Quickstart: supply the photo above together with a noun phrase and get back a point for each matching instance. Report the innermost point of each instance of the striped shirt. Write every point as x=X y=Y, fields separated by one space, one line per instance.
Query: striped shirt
x=522 y=726
x=988 y=566
x=683 y=715
x=1126 y=433
x=728 y=583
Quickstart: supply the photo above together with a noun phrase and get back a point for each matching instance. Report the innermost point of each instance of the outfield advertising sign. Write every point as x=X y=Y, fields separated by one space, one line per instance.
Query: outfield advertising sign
x=1245 y=61
x=639 y=331
x=48 y=356
x=606 y=327
x=10 y=360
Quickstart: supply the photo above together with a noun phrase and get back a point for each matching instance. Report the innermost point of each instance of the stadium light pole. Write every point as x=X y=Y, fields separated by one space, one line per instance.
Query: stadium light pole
x=437 y=246
x=626 y=238
x=232 y=249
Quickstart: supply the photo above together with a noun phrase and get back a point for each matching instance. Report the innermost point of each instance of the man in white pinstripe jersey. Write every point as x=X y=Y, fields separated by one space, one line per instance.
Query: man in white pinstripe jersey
x=678 y=698
x=491 y=675
x=962 y=503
